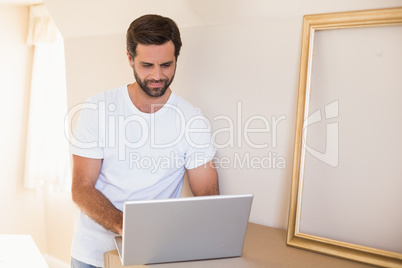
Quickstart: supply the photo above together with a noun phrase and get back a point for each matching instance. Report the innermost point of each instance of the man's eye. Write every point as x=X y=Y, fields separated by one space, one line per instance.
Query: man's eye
x=166 y=65
x=147 y=65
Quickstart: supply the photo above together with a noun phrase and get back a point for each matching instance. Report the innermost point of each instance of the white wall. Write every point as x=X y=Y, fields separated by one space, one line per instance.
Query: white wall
x=225 y=66
x=233 y=52
x=21 y=210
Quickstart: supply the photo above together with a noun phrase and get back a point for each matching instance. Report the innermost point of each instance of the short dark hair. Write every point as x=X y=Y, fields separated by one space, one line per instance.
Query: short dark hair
x=152 y=30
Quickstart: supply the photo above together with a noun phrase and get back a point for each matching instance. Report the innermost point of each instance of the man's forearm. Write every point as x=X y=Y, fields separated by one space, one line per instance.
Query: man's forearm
x=93 y=203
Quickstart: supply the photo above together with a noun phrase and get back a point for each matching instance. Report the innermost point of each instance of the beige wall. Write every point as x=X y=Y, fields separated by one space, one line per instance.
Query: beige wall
x=22 y=211
x=60 y=216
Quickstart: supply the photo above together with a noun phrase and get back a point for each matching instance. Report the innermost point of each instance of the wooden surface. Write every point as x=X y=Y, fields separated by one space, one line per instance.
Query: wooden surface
x=263 y=247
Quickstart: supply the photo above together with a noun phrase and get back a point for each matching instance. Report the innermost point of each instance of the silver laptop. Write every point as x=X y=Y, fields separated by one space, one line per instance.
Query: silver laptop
x=183 y=229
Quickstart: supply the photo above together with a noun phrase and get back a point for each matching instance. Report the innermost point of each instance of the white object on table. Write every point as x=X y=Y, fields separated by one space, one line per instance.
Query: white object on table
x=20 y=251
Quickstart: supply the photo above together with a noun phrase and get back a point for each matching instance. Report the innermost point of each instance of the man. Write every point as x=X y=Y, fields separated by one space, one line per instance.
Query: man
x=135 y=142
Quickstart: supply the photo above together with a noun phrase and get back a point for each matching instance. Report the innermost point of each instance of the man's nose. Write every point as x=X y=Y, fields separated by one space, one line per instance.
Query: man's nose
x=156 y=73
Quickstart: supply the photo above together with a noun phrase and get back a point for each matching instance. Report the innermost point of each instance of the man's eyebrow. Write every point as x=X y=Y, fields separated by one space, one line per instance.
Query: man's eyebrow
x=146 y=63
x=164 y=63
x=168 y=62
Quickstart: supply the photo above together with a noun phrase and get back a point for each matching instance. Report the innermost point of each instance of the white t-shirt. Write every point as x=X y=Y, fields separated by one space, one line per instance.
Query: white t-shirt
x=144 y=156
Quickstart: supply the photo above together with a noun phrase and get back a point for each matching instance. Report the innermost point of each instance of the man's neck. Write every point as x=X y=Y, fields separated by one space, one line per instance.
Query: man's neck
x=145 y=103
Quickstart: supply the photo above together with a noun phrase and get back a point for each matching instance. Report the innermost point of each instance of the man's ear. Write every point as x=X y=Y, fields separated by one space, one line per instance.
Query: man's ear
x=130 y=60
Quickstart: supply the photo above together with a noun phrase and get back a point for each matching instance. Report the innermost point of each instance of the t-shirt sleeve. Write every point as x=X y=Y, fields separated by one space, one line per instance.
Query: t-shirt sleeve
x=87 y=138
x=200 y=149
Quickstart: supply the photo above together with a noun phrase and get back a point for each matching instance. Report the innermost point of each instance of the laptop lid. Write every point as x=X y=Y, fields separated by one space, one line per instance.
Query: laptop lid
x=182 y=229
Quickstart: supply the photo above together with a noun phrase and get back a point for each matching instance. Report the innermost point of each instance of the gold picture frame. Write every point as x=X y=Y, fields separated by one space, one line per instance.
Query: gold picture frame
x=296 y=238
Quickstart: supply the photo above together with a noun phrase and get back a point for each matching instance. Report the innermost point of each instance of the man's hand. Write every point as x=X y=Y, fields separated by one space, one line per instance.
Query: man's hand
x=203 y=180
x=90 y=200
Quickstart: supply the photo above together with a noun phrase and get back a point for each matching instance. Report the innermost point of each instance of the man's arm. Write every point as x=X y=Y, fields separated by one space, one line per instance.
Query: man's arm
x=90 y=200
x=203 y=180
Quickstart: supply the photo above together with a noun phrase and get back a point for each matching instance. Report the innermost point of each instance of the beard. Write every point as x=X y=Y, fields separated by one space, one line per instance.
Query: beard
x=153 y=92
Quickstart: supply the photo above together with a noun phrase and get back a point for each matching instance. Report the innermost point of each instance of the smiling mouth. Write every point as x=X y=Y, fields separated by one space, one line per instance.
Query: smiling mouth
x=156 y=83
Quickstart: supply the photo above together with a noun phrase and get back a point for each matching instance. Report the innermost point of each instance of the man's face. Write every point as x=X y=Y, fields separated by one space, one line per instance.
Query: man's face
x=154 y=68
